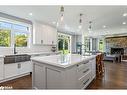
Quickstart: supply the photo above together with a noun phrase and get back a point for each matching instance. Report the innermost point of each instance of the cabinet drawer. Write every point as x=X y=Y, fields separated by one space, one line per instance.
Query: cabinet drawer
x=83 y=72
x=84 y=81
x=83 y=69
x=82 y=66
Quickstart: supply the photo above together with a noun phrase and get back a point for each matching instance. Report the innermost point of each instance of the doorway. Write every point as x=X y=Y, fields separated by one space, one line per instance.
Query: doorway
x=64 y=43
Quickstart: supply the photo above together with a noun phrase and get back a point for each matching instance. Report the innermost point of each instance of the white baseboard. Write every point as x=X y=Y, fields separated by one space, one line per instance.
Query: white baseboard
x=11 y=78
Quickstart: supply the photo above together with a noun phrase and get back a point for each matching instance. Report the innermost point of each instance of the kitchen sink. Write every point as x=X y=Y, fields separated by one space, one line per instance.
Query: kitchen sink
x=16 y=58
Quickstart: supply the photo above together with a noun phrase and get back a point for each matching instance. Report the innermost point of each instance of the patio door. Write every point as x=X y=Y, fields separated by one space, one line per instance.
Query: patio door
x=64 y=43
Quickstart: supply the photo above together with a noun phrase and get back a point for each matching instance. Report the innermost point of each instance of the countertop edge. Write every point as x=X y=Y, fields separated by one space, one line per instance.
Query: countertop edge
x=62 y=66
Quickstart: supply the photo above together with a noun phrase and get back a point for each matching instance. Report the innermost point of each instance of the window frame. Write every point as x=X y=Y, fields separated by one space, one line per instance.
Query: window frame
x=12 y=38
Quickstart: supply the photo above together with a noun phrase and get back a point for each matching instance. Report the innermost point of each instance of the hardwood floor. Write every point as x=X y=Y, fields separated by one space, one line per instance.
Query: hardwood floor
x=19 y=83
x=115 y=78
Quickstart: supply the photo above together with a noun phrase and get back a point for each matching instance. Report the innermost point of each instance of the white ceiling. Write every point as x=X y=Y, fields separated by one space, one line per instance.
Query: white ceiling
x=110 y=16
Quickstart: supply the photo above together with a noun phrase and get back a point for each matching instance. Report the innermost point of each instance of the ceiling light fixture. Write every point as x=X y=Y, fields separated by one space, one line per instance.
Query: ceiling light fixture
x=30 y=14
x=124 y=23
x=90 y=25
x=124 y=14
x=104 y=26
x=80 y=21
x=90 y=33
x=62 y=13
x=61 y=16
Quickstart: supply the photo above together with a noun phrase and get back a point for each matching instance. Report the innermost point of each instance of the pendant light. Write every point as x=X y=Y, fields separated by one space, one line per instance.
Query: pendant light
x=80 y=21
x=90 y=28
x=60 y=20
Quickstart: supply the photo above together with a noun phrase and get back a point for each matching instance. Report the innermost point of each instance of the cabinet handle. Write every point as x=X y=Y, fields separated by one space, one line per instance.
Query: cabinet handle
x=86 y=71
x=41 y=41
x=19 y=66
x=86 y=81
x=86 y=62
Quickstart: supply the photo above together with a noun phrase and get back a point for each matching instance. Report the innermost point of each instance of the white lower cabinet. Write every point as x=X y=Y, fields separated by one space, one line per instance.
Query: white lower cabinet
x=50 y=77
x=10 y=70
x=1 y=68
x=53 y=82
x=15 y=69
x=26 y=67
x=39 y=80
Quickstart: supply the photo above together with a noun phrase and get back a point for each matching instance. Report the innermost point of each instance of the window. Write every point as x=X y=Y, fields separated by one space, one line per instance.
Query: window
x=21 y=39
x=5 y=38
x=21 y=35
x=101 y=45
x=11 y=33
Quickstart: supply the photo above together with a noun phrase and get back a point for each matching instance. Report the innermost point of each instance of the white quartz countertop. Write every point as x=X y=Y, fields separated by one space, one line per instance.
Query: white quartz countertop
x=1 y=56
x=63 y=61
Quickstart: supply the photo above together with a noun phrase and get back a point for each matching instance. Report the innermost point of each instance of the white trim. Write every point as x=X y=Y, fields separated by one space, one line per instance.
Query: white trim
x=12 y=78
x=14 y=21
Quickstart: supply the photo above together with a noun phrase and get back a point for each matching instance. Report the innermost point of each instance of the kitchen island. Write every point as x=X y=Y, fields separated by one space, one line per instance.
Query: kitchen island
x=70 y=71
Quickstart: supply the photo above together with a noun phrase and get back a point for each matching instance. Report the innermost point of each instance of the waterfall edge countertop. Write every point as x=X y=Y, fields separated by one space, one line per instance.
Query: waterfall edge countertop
x=62 y=61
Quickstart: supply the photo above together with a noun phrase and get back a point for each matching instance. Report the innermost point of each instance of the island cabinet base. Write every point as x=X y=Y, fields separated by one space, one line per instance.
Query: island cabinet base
x=52 y=77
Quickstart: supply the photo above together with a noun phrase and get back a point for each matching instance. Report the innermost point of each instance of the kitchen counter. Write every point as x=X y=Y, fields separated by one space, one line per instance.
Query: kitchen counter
x=1 y=56
x=70 y=71
x=63 y=61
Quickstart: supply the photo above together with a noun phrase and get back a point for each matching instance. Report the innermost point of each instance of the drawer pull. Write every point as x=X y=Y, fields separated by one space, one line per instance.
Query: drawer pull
x=86 y=82
x=86 y=71
x=19 y=66
x=86 y=62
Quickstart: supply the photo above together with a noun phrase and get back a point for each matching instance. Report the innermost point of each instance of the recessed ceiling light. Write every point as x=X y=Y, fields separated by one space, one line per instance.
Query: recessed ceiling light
x=124 y=22
x=104 y=26
x=124 y=14
x=30 y=14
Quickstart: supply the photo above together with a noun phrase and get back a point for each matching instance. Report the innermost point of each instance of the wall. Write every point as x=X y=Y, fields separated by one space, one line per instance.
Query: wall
x=120 y=42
x=6 y=51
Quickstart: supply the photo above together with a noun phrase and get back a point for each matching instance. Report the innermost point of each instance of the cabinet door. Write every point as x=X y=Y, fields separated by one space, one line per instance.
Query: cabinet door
x=47 y=34
x=53 y=79
x=1 y=68
x=11 y=70
x=39 y=77
x=37 y=33
x=26 y=67
x=50 y=35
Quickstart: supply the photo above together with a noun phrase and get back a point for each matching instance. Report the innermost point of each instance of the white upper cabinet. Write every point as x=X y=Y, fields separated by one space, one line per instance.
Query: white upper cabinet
x=44 y=34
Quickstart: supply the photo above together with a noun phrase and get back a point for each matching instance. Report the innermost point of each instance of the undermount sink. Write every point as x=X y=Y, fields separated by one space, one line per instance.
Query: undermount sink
x=16 y=58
